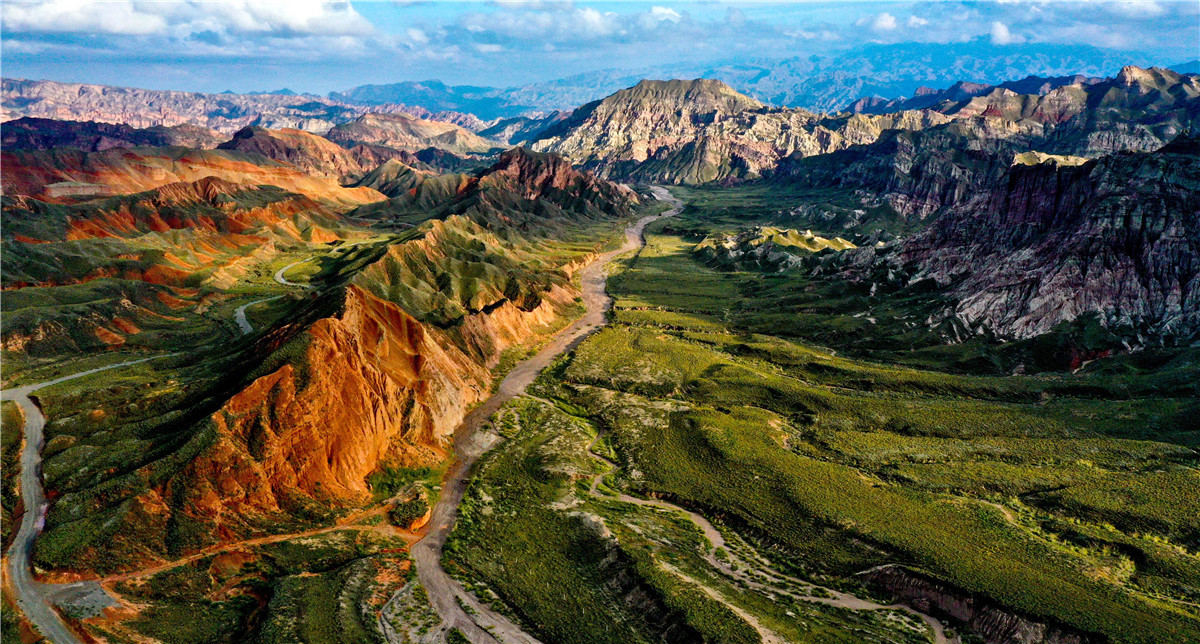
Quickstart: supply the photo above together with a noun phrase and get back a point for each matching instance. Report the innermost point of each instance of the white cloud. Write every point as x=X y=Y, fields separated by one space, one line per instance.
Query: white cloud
x=884 y=22
x=1001 y=35
x=125 y=17
x=415 y=36
x=1137 y=9
x=560 y=23
x=914 y=21
x=664 y=13
x=65 y=16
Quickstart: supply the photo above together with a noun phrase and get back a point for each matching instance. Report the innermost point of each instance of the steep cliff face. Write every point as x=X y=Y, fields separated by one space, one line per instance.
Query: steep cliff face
x=1118 y=237
x=374 y=386
x=919 y=173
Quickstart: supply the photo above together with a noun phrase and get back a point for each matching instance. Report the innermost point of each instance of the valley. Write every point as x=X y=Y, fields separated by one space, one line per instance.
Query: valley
x=788 y=446
x=792 y=351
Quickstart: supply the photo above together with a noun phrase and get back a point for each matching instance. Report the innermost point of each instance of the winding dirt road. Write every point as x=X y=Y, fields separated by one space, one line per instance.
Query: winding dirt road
x=484 y=624
x=32 y=595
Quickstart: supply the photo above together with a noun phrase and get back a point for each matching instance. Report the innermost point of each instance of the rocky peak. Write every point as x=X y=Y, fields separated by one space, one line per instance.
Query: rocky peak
x=536 y=174
x=1146 y=80
x=702 y=96
x=534 y=169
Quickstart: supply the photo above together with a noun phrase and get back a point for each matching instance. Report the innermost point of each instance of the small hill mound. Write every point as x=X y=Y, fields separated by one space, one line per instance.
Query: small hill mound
x=766 y=247
x=404 y=132
x=394 y=178
x=307 y=151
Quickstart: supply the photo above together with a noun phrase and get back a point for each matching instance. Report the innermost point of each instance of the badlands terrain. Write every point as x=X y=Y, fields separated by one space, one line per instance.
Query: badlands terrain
x=670 y=364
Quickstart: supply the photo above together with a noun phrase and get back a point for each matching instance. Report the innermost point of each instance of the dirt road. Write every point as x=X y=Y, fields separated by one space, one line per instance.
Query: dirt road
x=484 y=624
x=32 y=595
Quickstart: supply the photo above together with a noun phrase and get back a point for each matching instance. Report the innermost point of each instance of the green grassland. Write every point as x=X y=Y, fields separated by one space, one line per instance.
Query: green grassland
x=11 y=437
x=574 y=567
x=837 y=444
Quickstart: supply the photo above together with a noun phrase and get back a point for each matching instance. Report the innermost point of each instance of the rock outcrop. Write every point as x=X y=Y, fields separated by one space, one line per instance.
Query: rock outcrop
x=990 y=621
x=1047 y=243
x=377 y=387
x=1118 y=237
x=700 y=131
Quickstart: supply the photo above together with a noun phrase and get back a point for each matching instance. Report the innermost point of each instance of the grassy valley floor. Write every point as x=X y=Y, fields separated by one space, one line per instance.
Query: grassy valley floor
x=1064 y=501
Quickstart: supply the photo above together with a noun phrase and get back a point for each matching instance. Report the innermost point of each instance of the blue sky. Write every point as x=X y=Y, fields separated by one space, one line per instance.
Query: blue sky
x=310 y=45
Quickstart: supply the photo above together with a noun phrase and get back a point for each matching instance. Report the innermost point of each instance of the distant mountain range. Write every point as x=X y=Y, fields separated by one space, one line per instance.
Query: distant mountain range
x=827 y=83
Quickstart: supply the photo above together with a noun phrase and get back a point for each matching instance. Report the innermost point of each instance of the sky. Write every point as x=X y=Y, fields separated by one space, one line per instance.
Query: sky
x=316 y=46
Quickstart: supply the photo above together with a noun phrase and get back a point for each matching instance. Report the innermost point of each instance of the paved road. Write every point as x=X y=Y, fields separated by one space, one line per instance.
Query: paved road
x=470 y=444
x=239 y=315
x=32 y=595
x=279 y=275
